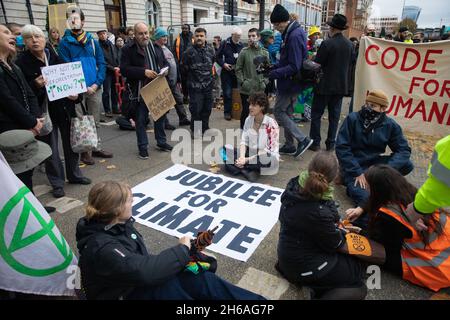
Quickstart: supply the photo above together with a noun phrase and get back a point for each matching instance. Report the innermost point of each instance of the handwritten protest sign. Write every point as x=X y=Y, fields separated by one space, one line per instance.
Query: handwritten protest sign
x=64 y=80
x=183 y=201
x=158 y=97
x=415 y=78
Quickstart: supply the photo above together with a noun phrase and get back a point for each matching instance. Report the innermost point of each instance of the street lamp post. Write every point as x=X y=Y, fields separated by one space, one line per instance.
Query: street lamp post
x=262 y=9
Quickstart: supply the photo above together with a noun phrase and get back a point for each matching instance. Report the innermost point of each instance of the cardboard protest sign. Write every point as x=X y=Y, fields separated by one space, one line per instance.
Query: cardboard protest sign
x=64 y=80
x=158 y=97
x=415 y=78
x=184 y=201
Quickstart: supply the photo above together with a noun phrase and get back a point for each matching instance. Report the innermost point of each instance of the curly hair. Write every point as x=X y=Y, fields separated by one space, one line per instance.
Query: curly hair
x=260 y=99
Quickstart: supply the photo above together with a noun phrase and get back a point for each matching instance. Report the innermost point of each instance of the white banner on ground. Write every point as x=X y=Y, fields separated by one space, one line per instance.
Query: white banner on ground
x=415 y=77
x=34 y=256
x=63 y=80
x=183 y=201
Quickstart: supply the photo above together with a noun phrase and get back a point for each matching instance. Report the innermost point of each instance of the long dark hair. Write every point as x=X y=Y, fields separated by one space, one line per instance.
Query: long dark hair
x=388 y=186
x=322 y=170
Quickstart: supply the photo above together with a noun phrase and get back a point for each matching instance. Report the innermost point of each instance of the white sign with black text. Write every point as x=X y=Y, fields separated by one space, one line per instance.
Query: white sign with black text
x=184 y=201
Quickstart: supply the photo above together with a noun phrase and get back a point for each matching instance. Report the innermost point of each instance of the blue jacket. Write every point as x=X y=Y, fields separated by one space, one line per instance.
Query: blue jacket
x=94 y=65
x=275 y=47
x=293 y=52
x=356 y=150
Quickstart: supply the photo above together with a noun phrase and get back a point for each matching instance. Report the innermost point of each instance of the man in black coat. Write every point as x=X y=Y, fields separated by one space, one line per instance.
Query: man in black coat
x=141 y=63
x=335 y=56
x=197 y=62
x=112 y=64
x=184 y=41
x=226 y=57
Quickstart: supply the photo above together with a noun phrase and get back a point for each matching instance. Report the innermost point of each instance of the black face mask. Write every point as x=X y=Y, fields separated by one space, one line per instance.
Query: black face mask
x=370 y=117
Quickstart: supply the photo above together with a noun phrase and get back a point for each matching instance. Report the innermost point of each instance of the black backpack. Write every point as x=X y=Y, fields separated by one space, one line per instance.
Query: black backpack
x=310 y=73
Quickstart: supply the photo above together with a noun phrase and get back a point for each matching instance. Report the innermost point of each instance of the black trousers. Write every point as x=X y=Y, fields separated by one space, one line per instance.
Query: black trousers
x=53 y=166
x=232 y=155
x=27 y=178
x=245 y=109
x=334 y=104
x=200 y=106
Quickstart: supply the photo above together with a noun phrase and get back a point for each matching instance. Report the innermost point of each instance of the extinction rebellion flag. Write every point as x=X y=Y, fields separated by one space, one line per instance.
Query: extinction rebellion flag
x=34 y=256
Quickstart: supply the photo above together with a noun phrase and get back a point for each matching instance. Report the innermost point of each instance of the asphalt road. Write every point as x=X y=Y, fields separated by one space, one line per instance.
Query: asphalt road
x=258 y=272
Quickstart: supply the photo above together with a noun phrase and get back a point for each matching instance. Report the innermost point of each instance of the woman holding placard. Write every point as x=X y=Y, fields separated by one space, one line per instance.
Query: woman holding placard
x=35 y=57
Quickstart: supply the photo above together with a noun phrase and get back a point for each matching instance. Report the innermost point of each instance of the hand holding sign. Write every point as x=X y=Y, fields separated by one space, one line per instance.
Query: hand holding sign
x=64 y=80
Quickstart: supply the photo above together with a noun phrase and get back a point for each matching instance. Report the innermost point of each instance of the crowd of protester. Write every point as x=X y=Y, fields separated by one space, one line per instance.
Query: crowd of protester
x=387 y=209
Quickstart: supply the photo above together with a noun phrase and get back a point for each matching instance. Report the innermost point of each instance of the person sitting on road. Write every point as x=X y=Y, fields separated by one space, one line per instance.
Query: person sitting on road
x=418 y=257
x=259 y=142
x=115 y=263
x=362 y=139
x=310 y=241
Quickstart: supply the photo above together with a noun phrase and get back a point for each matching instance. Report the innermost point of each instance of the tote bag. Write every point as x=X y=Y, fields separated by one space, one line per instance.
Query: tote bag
x=83 y=133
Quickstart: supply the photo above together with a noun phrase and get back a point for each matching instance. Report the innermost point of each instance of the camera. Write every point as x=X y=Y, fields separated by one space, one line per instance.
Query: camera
x=262 y=64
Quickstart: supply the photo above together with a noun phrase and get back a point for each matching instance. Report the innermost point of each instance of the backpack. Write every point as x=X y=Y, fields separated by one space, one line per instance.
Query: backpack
x=310 y=73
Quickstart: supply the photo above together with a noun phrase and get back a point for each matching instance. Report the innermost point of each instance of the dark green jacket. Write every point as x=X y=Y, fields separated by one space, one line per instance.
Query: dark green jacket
x=249 y=81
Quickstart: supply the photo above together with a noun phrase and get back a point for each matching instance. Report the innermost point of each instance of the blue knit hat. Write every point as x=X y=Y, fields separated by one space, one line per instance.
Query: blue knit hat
x=159 y=33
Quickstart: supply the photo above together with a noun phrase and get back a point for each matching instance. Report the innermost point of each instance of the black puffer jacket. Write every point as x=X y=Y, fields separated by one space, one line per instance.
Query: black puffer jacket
x=197 y=63
x=308 y=235
x=114 y=261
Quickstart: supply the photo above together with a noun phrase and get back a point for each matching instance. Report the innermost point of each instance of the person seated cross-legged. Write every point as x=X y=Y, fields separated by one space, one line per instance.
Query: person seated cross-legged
x=361 y=143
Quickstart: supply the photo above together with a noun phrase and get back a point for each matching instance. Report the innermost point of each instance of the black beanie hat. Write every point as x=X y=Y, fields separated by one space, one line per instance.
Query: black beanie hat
x=279 y=14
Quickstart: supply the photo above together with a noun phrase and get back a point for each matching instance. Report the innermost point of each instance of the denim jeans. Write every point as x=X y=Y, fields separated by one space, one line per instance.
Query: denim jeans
x=229 y=82
x=141 y=127
x=334 y=104
x=283 y=111
x=360 y=195
x=189 y=286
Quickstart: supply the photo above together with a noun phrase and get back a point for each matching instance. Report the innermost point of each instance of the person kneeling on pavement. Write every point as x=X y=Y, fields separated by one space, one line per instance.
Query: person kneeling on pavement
x=115 y=263
x=310 y=241
x=259 y=143
x=410 y=254
x=362 y=139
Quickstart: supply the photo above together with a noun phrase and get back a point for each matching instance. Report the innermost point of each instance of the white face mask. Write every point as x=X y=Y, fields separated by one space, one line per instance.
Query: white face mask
x=74 y=22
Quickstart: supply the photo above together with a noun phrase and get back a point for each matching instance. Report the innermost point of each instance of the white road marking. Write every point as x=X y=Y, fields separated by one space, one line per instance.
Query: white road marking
x=263 y=283
x=64 y=204
x=41 y=190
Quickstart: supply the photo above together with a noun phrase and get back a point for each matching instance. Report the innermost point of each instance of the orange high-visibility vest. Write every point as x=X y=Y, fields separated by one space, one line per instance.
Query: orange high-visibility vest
x=177 y=47
x=427 y=266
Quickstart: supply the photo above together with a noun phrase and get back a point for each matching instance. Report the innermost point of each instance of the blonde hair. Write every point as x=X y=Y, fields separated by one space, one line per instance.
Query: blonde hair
x=293 y=16
x=31 y=30
x=107 y=200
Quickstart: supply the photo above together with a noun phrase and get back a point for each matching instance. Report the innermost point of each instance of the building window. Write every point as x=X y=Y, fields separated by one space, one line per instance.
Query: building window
x=153 y=10
x=113 y=14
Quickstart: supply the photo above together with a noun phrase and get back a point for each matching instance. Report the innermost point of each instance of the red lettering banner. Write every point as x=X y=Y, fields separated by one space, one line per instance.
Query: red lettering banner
x=415 y=77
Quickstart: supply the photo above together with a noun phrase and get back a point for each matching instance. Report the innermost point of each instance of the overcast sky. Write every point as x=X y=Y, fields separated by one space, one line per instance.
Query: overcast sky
x=430 y=16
